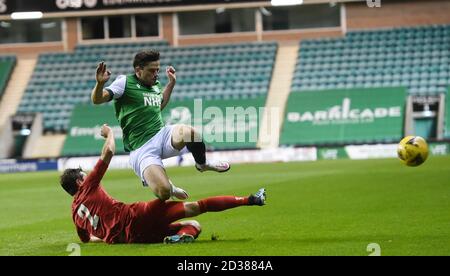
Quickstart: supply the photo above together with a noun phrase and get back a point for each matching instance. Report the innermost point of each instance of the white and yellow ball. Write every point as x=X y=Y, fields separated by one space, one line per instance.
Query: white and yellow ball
x=412 y=150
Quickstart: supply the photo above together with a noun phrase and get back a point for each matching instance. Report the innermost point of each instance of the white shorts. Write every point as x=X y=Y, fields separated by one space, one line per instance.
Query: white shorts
x=151 y=153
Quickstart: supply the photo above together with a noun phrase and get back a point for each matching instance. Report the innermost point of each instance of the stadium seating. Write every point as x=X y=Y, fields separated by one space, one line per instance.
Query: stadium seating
x=234 y=71
x=447 y=115
x=417 y=58
x=7 y=64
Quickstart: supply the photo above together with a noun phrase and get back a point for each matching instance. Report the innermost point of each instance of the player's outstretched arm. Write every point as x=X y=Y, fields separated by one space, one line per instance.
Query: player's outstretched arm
x=170 y=72
x=100 y=95
x=109 y=148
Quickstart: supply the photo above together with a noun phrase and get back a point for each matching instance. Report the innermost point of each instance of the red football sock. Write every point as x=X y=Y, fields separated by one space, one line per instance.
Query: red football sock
x=220 y=203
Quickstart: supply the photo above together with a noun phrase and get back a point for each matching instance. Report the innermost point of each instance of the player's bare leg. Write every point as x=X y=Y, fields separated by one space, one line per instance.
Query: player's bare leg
x=184 y=135
x=159 y=182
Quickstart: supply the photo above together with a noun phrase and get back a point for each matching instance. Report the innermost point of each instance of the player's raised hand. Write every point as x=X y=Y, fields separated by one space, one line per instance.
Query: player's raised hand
x=105 y=131
x=170 y=72
x=102 y=75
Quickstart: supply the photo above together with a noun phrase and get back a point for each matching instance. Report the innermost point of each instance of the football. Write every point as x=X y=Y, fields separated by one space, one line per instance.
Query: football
x=412 y=150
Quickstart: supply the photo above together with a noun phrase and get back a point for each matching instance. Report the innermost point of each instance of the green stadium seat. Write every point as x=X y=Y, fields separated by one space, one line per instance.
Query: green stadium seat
x=204 y=71
x=423 y=54
x=7 y=64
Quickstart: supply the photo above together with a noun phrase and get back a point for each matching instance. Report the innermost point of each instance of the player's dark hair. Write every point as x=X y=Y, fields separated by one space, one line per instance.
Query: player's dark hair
x=143 y=58
x=69 y=179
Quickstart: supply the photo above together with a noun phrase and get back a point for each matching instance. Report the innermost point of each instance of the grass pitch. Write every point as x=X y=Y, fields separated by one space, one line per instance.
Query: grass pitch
x=314 y=208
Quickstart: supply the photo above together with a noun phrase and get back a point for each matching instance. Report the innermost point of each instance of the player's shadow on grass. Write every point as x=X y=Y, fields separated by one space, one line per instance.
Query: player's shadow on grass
x=340 y=239
x=219 y=240
x=208 y=241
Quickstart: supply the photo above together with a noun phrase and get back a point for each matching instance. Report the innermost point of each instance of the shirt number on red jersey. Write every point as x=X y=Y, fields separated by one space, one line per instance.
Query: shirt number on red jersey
x=83 y=212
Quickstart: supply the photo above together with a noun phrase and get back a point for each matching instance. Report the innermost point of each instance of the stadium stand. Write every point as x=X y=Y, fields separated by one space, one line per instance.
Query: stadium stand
x=7 y=64
x=223 y=72
x=63 y=80
x=417 y=58
x=347 y=116
x=380 y=64
x=447 y=115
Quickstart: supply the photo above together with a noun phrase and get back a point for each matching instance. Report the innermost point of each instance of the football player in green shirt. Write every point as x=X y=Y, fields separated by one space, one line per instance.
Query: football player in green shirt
x=138 y=100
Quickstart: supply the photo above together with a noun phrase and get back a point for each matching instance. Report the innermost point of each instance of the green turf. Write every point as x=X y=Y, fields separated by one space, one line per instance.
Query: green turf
x=314 y=208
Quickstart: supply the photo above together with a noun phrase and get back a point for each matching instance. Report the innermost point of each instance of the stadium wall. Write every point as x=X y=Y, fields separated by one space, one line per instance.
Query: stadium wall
x=355 y=15
x=168 y=28
x=24 y=50
x=344 y=116
x=20 y=166
x=70 y=34
x=397 y=14
x=301 y=34
x=217 y=38
x=288 y=154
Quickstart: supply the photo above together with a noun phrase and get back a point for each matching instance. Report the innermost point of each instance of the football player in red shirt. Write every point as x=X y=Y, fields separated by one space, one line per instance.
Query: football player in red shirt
x=99 y=217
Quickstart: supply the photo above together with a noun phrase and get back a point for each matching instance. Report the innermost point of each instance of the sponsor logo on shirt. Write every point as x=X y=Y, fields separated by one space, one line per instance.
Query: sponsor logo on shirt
x=151 y=99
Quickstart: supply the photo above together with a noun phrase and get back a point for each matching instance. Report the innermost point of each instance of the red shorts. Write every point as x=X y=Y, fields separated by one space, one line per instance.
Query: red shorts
x=152 y=221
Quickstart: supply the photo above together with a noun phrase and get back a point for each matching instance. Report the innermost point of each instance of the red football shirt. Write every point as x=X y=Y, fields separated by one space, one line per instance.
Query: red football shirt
x=95 y=213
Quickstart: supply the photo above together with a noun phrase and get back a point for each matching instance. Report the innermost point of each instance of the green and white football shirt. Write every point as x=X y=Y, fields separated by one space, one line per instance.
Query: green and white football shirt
x=138 y=109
